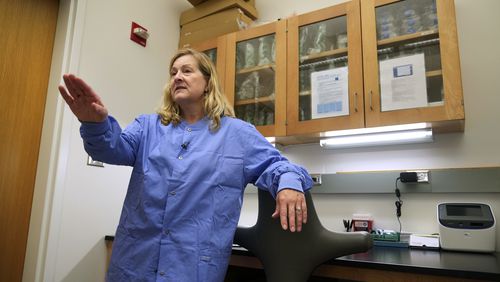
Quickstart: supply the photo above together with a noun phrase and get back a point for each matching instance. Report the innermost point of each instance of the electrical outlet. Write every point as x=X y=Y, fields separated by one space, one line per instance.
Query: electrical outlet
x=422 y=175
x=93 y=162
x=316 y=178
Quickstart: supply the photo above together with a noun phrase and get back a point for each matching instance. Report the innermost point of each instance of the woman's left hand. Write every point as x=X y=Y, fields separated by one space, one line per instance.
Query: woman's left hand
x=291 y=208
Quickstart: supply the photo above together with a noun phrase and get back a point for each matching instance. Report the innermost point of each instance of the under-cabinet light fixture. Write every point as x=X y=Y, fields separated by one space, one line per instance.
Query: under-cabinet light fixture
x=271 y=140
x=378 y=136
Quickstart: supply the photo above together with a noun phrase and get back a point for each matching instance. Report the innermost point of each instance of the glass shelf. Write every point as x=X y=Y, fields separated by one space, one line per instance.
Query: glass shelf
x=268 y=99
x=423 y=35
x=316 y=56
x=257 y=68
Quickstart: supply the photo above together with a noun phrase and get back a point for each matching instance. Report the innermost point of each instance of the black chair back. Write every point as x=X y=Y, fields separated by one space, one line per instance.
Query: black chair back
x=292 y=257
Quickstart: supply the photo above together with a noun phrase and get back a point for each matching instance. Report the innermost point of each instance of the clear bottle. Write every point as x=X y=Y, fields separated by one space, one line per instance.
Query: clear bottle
x=249 y=55
x=386 y=26
x=270 y=118
x=430 y=19
x=411 y=22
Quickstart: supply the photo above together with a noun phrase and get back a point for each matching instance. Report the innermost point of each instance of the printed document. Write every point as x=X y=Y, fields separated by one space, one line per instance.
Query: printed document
x=402 y=83
x=329 y=93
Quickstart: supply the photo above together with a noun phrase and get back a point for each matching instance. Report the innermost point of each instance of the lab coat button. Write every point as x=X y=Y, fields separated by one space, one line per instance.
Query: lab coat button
x=162 y=273
x=172 y=193
x=189 y=129
x=180 y=157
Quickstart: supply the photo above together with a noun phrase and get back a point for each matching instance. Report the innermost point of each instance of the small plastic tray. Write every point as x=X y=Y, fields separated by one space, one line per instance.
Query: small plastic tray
x=386 y=236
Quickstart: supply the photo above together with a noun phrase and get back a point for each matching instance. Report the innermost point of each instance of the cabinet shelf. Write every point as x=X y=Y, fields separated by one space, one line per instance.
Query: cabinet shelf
x=268 y=99
x=433 y=73
x=256 y=68
x=305 y=93
x=315 y=56
x=435 y=104
x=418 y=36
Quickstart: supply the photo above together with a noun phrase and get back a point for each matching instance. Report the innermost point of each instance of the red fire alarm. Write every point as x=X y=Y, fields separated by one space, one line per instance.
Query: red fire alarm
x=139 y=34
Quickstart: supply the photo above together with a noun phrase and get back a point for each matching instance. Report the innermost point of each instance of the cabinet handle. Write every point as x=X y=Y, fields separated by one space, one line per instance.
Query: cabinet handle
x=356 y=102
x=371 y=95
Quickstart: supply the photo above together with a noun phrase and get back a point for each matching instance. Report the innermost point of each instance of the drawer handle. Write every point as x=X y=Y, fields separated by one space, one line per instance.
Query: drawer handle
x=371 y=95
x=356 y=102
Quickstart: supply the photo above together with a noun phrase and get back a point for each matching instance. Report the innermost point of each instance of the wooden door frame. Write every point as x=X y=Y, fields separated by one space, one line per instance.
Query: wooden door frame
x=42 y=246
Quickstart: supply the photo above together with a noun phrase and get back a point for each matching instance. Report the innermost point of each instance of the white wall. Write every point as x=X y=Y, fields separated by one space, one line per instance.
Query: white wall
x=85 y=202
x=479 y=42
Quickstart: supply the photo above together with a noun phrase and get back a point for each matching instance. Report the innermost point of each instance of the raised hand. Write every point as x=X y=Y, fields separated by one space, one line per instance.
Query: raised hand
x=85 y=104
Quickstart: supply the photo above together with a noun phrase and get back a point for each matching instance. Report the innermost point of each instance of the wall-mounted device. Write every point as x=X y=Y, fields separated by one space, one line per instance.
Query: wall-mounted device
x=316 y=178
x=139 y=34
x=93 y=162
x=466 y=227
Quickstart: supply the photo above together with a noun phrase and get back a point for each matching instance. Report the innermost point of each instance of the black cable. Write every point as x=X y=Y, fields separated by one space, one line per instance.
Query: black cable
x=399 y=204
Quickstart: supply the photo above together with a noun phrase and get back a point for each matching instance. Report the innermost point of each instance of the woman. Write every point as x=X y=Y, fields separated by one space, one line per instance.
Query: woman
x=191 y=162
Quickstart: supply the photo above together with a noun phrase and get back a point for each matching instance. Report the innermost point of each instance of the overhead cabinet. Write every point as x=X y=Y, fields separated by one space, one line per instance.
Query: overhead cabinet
x=256 y=62
x=325 y=71
x=362 y=63
x=412 y=31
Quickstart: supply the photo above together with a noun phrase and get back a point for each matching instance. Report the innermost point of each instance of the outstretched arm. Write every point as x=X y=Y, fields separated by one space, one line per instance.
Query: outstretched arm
x=103 y=137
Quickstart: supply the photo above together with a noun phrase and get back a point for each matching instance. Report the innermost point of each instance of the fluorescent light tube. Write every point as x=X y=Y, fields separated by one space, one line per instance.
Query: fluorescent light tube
x=271 y=139
x=367 y=130
x=378 y=139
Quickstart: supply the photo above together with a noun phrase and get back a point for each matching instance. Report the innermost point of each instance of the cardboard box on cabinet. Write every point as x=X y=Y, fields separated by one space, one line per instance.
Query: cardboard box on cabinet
x=210 y=7
x=217 y=24
x=198 y=2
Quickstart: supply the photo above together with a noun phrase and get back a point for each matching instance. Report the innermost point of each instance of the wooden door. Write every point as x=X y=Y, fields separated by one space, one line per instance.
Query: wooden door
x=26 y=41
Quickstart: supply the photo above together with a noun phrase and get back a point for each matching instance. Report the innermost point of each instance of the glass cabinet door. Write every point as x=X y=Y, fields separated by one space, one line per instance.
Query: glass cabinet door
x=324 y=70
x=412 y=69
x=256 y=60
x=215 y=49
x=212 y=54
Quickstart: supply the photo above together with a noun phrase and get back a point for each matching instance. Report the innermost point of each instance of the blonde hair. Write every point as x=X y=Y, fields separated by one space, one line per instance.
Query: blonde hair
x=216 y=104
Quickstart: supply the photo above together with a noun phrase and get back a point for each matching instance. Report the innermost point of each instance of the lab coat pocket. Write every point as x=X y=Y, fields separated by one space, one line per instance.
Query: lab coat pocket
x=232 y=172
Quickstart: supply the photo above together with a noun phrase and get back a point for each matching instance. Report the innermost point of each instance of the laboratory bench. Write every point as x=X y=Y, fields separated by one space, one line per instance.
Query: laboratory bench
x=379 y=264
x=388 y=264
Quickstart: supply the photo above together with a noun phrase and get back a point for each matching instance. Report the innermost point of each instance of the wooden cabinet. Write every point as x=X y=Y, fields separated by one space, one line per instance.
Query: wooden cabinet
x=327 y=41
x=379 y=33
x=273 y=72
x=256 y=76
x=395 y=29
